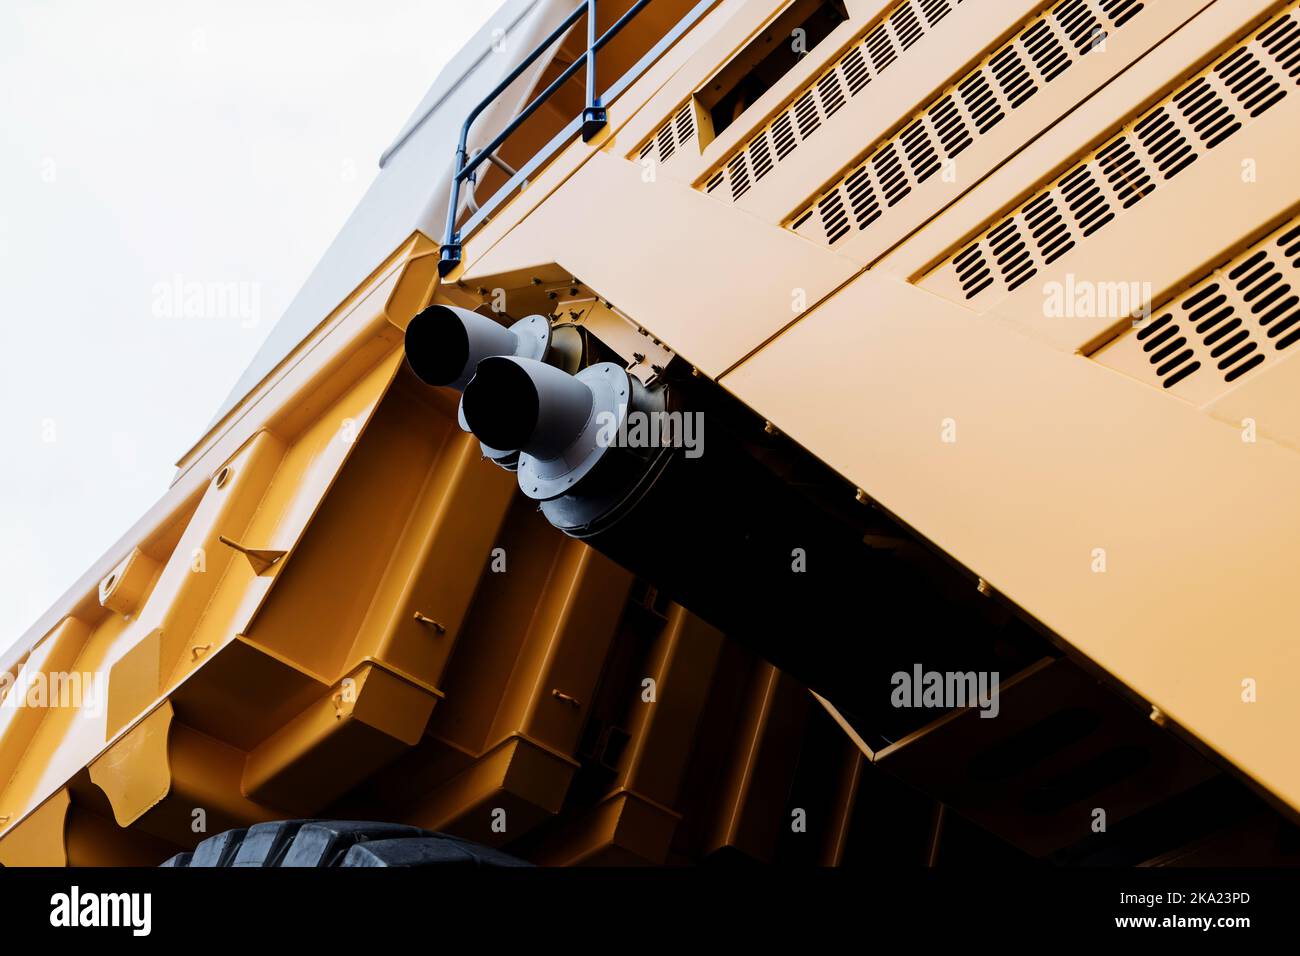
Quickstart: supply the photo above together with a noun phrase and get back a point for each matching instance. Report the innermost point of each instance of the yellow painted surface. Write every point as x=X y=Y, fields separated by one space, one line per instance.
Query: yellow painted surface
x=228 y=683
x=1056 y=457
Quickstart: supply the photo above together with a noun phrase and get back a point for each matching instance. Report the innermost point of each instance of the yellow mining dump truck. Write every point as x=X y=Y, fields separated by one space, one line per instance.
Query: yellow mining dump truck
x=817 y=431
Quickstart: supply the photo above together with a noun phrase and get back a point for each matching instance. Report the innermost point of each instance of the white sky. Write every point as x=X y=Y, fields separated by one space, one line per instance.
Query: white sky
x=221 y=143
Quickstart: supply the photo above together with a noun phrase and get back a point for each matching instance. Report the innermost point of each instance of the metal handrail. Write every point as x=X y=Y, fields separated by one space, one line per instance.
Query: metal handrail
x=594 y=115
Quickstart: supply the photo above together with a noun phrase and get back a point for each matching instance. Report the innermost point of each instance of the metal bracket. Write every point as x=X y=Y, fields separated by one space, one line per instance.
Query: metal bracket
x=260 y=558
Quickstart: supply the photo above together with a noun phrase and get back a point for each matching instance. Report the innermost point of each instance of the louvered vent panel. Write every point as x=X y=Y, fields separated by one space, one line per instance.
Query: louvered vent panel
x=1047 y=45
x=864 y=62
x=1229 y=323
x=1255 y=74
x=670 y=137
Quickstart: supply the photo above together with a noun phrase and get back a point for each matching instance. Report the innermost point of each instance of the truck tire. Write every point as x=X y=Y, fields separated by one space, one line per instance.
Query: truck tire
x=338 y=843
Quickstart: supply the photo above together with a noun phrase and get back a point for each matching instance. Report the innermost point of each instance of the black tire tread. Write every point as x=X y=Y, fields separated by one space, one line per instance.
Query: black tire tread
x=338 y=844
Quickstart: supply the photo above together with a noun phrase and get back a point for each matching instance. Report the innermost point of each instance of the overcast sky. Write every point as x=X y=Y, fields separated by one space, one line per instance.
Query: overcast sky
x=146 y=146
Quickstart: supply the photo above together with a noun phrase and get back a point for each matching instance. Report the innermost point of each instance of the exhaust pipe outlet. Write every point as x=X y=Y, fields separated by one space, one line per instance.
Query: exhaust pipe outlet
x=521 y=404
x=444 y=344
x=563 y=426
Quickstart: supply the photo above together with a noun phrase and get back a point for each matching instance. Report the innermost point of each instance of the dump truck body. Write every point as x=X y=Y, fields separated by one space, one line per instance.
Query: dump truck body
x=984 y=311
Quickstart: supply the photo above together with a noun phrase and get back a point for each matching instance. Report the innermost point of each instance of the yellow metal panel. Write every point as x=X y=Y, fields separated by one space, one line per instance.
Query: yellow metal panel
x=1162 y=242
x=366 y=720
x=928 y=65
x=1223 y=328
x=749 y=814
x=1267 y=402
x=558 y=672
x=21 y=713
x=898 y=213
x=683 y=667
x=304 y=476
x=622 y=829
x=40 y=839
x=729 y=315
x=733 y=26
x=127 y=584
x=134 y=772
x=1088 y=125
x=360 y=333
x=1056 y=457
x=518 y=782
x=204 y=591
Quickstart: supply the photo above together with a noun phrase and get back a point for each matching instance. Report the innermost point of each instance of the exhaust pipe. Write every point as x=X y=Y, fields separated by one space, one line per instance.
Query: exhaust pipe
x=445 y=344
x=527 y=406
x=563 y=427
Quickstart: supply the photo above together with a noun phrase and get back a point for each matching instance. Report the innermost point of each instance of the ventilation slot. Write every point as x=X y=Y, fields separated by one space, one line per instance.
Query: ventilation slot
x=739 y=176
x=1007 y=79
x=934 y=10
x=1121 y=11
x=805 y=112
x=832 y=215
x=1017 y=85
x=865 y=60
x=670 y=137
x=1228 y=323
x=1012 y=254
x=1045 y=49
x=1077 y=20
x=1128 y=178
x=973 y=271
x=1166 y=348
x=1198 y=116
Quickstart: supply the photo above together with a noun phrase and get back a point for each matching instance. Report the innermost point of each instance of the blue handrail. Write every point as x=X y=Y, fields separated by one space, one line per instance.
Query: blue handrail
x=593 y=119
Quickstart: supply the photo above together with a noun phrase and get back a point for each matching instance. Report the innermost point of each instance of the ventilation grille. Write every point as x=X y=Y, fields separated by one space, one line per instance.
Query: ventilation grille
x=1229 y=323
x=1201 y=114
x=1049 y=45
x=670 y=137
x=864 y=62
